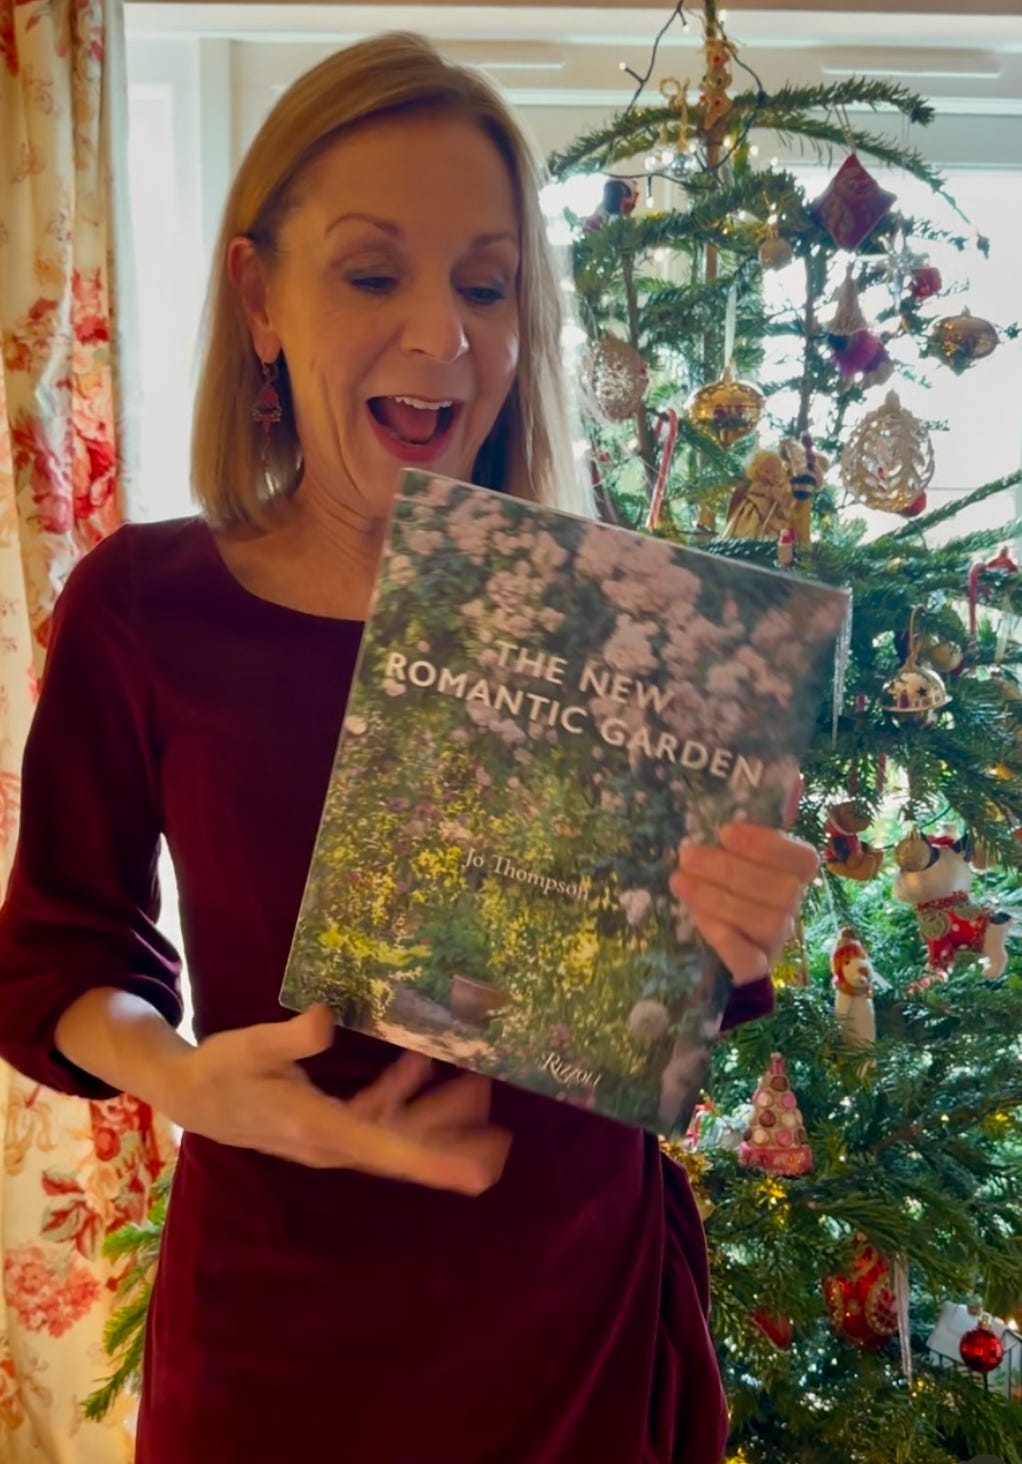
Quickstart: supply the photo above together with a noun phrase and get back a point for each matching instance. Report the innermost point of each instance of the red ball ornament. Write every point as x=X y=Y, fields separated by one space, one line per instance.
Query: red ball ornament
x=780 y=1330
x=862 y=1305
x=982 y=1350
x=925 y=282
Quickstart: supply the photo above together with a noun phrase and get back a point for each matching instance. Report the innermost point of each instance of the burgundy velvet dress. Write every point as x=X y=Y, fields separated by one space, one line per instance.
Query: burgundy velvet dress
x=301 y=1315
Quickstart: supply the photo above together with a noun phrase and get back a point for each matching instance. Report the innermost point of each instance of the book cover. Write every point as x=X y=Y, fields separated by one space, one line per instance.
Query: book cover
x=544 y=707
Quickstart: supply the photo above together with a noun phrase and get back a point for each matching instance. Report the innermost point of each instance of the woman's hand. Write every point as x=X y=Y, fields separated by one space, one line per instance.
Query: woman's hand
x=245 y=1088
x=745 y=894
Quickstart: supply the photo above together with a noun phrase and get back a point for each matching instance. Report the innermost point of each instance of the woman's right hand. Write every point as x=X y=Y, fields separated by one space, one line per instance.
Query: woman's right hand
x=245 y=1088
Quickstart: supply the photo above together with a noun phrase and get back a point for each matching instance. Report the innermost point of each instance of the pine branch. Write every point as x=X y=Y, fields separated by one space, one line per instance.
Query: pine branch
x=871 y=144
x=854 y=91
x=704 y=220
x=124 y=1333
x=942 y=515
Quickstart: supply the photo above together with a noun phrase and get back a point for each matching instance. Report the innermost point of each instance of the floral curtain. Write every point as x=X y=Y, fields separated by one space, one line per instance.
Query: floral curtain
x=72 y=1170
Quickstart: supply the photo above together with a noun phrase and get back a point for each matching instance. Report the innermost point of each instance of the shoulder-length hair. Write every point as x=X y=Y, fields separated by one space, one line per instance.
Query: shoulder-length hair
x=528 y=452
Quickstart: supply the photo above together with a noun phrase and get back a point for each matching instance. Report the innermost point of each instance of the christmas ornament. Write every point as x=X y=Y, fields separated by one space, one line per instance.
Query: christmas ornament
x=944 y=657
x=620 y=196
x=776 y=1140
x=924 y=282
x=714 y=103
x=955 y=1321
x=779 y=1329
x=861 y=1305
x=727 y=410
x=704 y=1115
x=665 y=432
x=851 y=205
x=981 y=1349
x=857 y=350
x=915 y=693
x=762 y=504
x=854 y=984
x=931 y=976
x=934 y=876
x=675 y=94
x=961 y=339
x=984 y=580
x=888 y=462
x=618 y=378
x=775 y=252
x=807 y=469
x=710 y=1129
x=844 y=852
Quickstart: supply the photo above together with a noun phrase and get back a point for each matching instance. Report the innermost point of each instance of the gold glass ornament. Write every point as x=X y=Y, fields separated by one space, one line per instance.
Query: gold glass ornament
x=775 y=252
x=913 y=852
x=618 y=378
x=888 y=461
x=727 y=410
x=961 y=339
x=944 y=656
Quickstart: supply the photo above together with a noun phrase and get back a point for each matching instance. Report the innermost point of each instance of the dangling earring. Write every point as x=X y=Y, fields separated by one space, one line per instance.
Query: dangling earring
x=266 y=408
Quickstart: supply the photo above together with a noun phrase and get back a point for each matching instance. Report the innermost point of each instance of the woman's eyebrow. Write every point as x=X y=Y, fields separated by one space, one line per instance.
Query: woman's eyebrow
x=387 y=226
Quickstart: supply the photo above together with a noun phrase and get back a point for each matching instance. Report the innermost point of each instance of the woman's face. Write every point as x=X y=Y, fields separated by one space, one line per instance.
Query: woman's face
x=394 y=301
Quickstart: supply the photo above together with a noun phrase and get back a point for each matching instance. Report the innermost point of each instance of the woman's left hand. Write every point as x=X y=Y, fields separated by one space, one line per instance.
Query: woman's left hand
x=745 y=893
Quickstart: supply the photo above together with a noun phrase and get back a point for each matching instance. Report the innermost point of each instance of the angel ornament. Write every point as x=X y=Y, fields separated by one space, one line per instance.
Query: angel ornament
x=777 y=492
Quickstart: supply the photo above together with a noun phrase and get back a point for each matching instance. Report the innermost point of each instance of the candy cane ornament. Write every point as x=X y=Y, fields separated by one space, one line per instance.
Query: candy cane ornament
x=665 y=428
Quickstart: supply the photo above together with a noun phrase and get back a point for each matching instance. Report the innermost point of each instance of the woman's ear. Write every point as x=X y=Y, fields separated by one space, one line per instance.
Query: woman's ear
x=247 y=273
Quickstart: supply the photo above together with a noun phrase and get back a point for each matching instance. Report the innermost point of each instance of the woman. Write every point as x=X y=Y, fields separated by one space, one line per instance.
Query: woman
x=363 y=1261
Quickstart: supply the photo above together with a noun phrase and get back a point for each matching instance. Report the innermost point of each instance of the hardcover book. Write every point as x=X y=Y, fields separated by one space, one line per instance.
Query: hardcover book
x=544 y=707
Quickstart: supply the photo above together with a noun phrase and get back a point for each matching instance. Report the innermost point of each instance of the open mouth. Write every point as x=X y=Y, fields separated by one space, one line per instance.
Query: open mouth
x=413 y=421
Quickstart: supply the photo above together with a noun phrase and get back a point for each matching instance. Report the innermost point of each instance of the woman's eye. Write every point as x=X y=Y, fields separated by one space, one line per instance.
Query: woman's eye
x=373 y=284
x=484 y=294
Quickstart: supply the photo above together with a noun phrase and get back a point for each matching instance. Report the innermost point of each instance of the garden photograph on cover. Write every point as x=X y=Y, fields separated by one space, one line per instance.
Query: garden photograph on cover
x=544 y=707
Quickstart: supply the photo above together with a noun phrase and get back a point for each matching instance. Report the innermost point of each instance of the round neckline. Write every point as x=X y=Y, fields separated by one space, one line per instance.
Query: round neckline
x=242 y=593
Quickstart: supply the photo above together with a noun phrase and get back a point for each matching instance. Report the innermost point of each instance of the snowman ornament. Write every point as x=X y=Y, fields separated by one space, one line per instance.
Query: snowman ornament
x=855 y=982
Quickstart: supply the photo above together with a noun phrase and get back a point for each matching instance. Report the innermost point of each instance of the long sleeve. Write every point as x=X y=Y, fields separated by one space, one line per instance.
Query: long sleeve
x=83 y=896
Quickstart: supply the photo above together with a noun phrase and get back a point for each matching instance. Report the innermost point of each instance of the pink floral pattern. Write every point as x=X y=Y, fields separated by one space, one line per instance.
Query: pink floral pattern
x=46 y=1290
x=73 y=1171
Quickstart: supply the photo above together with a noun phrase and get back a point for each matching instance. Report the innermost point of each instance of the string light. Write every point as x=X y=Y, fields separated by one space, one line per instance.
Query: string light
x=774 y=1192
x=678 y=13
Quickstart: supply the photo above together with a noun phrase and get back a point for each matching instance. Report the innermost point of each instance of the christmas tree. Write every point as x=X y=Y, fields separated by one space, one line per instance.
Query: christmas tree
x=858 y=1165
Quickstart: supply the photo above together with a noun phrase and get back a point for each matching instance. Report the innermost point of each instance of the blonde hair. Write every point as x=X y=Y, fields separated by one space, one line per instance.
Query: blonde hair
x=528 y=452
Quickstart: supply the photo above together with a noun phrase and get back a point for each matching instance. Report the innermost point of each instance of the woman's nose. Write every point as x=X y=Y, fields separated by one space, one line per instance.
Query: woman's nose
x=435 y=325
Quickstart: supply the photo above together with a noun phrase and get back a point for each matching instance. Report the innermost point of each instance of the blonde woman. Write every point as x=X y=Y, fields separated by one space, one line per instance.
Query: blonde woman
x=364 y=1261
